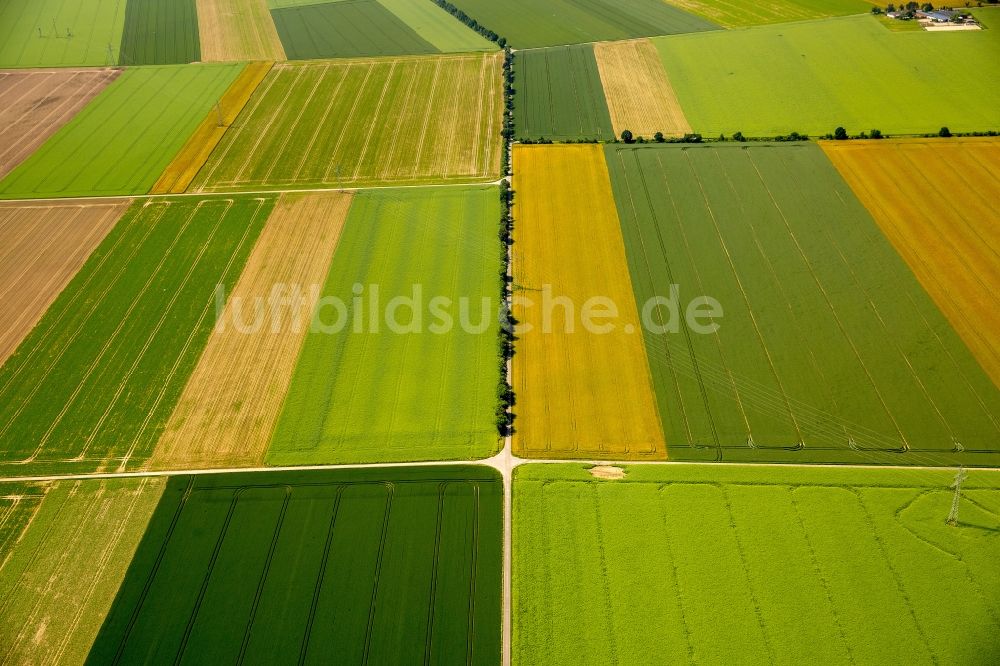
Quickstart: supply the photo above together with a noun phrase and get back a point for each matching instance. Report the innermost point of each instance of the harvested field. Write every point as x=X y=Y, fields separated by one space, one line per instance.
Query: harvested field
x=640 y=98
x=735 y=14
x=178 y=175
x=233 y=30
x=580 y=392
x=724 y=565
x=60 y=33
x=93 y=384
x=777 y=238
x=59 y=579
x=814 y=76
x=124 y=139
x=362 y=122
x=352 y=566
x=952 y=242
x=41 y=249
x=34 y=104
x=531 y=24
x=560 y=95
x=160 y=33
x=226 y=415
x=346 y=29
x=381 y=383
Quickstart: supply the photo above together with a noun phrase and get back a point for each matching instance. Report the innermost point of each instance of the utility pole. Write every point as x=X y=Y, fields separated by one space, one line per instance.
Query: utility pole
x=55 y=31
x=957 y=485
x=111 y=55
x=218 y=111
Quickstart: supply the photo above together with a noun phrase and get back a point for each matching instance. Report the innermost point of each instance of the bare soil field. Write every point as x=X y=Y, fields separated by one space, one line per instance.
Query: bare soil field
x=34 y=104
x=232 y=30
x=228 y=409
x=42 y=247
x=640 y=97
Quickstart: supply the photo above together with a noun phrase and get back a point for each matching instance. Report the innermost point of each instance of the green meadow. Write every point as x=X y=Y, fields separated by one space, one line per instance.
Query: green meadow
x=815 y=76
x=722 y=565
x=731 y=14
x=122 y=141
x=359 y=566
x=92 y=385
x=72 y=32
x=826 y=348
x=395 y=385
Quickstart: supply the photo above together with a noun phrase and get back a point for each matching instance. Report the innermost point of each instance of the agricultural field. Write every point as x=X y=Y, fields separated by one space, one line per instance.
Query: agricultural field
x=639 y=96
x=774 y=234
x=123 y=140
x=60 y=573
x=952 y=244
x=446 y=33
x=60 y=33
x=722 y=565
x=160 y=33
x=528 y=24
x=232 y=30
x=177 y=177
x=733 y=14
x=377 y=382
x=560 y=95
x=851 y=72
x=92 y=385
x=582 y=392
x=360 y=566
x=402 y=121
x=34 y=104
x=227 y=412
x=41 y=249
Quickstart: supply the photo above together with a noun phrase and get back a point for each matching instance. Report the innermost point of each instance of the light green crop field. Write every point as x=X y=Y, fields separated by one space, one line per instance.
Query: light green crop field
x=722 y=565
x=58 y=581
x=851 y=72
x=405 y=120
x=91 y=24
x=122 y=141
x=419 y=390
x=826 y=347
x=93 y=384
x=734 y=14
x=445 y=32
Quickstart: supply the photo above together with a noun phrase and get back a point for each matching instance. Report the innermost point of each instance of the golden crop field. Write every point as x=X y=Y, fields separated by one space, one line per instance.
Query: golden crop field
x=640 y=97
x=233 y=30
x=581 y=393
x=936 y=200
x=228 y=410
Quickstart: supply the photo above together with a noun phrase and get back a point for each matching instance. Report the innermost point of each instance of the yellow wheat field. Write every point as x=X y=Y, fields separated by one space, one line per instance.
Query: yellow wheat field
x=579 y=394
x=233 y=30
x=640 y=97
x=181 y=171
x=937 y=201
x=230 y=405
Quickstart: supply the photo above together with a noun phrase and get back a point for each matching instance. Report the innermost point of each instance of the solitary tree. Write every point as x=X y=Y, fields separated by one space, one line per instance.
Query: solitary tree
x=627 y=137
x=840 y=134
x=738 y=136
x=876 y=134
x=944 y=132
x=658 y=137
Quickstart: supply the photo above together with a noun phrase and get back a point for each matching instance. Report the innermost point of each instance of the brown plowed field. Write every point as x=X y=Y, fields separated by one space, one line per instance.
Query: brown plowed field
x=36 y=103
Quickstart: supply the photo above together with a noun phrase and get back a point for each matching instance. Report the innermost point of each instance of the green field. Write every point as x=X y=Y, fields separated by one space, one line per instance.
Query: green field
x=346 y=28
x=530 y=24
x=721 y=565
x=419 y=391
x=828 y=349
x=363 y=566
x=160 y=33
x=731 y=14
x=404 y=121
x=849 y=72
x=446 y=33
x=122 y=141
x=92 y=385
x=92 y=26
x=59 y=579
x=560 y=95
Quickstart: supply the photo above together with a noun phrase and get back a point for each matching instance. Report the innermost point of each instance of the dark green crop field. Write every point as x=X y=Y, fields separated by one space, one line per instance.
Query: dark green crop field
x=344 y=29
x=560 y=95
x=360 y=566
x=92 y=385
x=827 y=348
x=530 y=24
x=160 y=33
